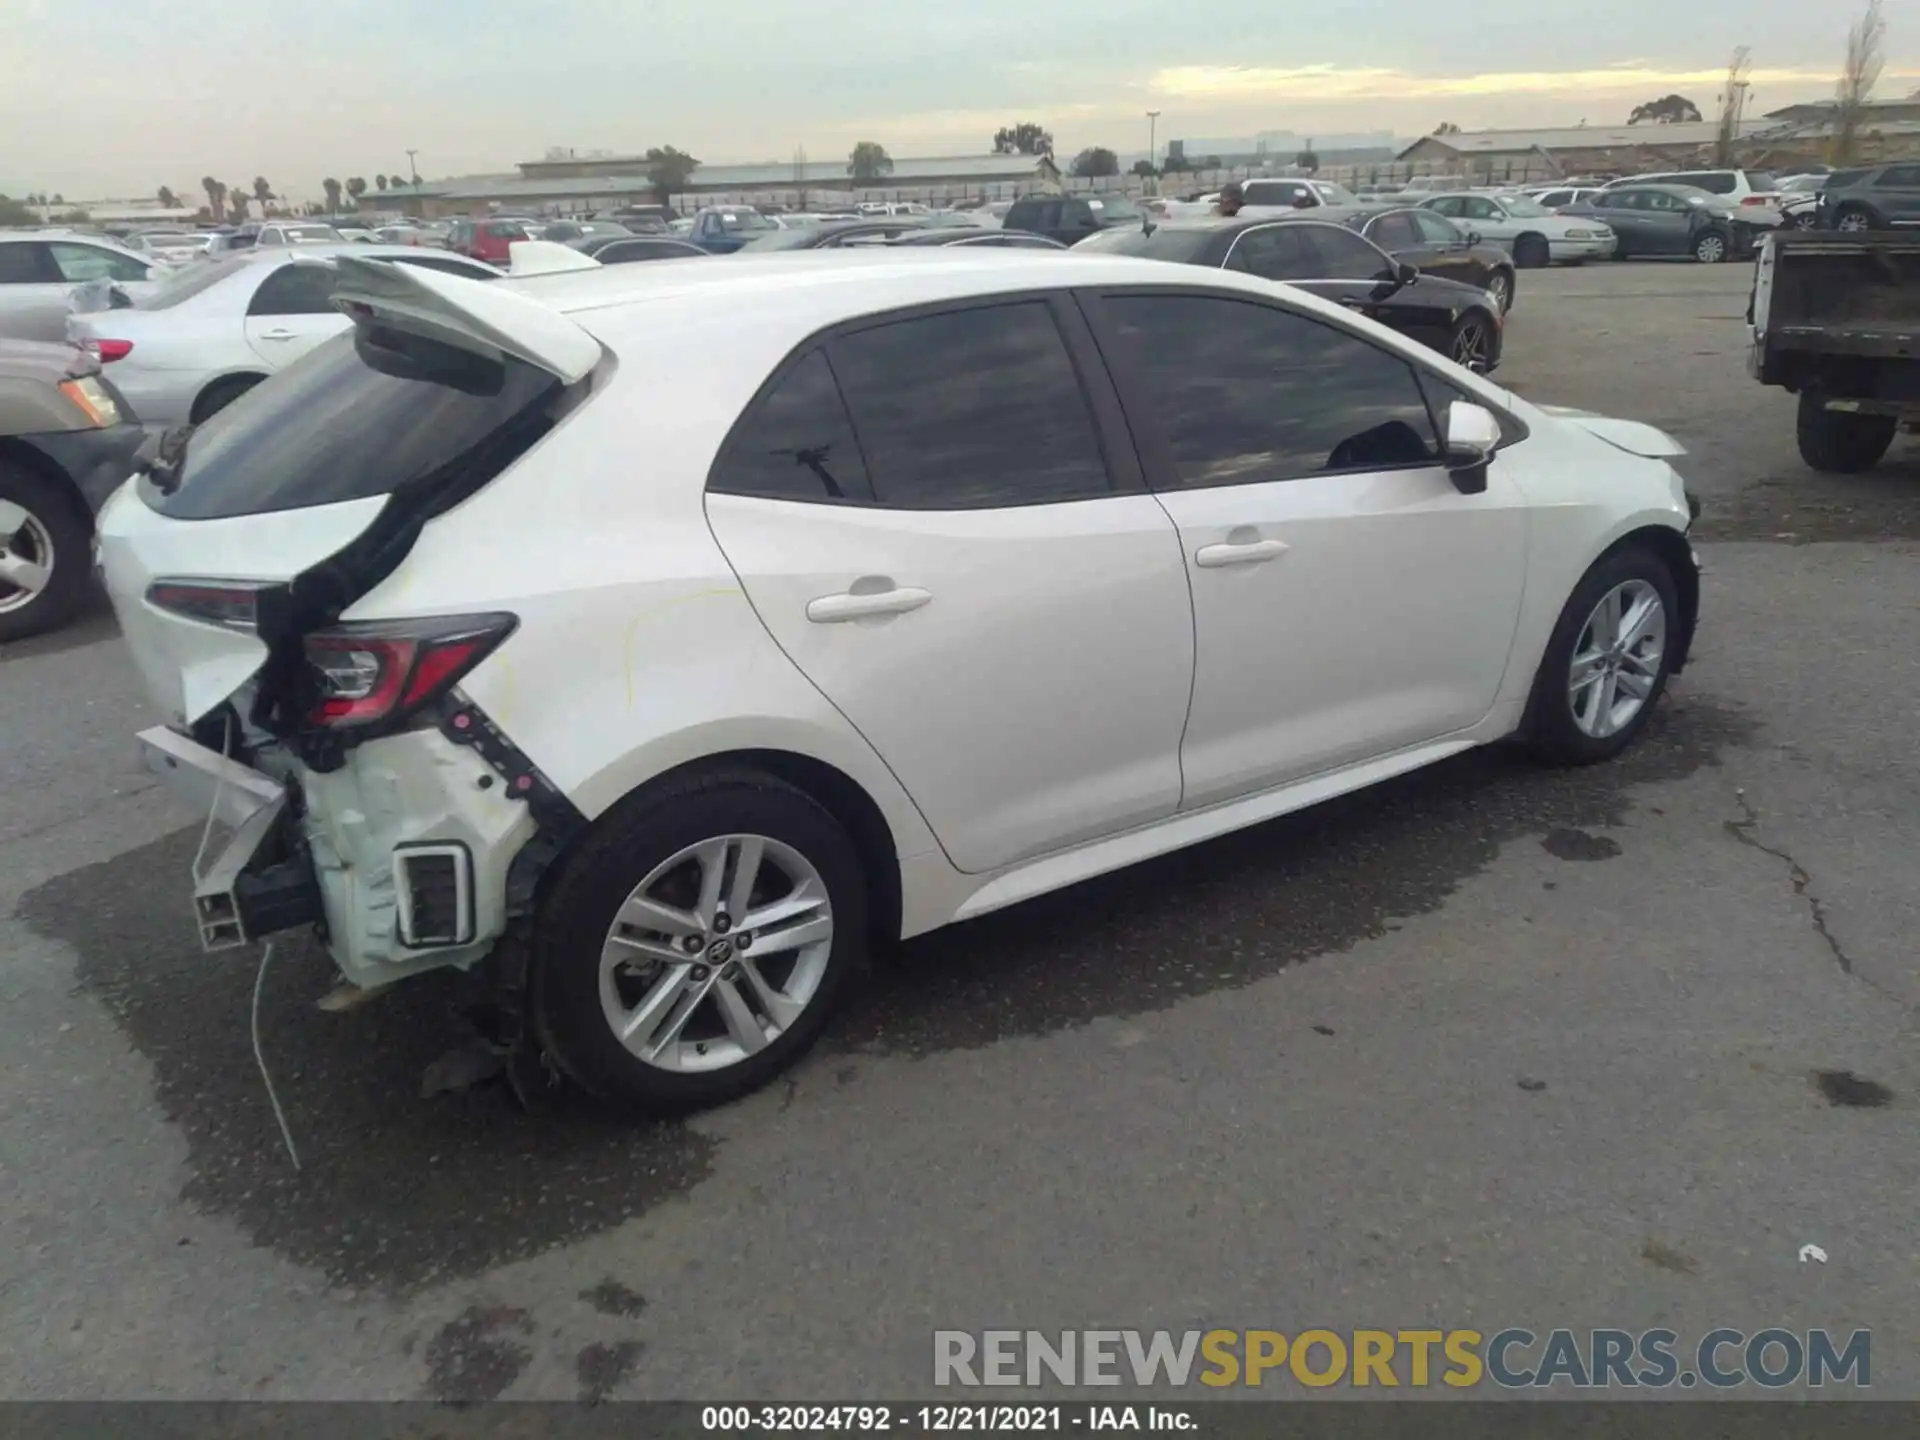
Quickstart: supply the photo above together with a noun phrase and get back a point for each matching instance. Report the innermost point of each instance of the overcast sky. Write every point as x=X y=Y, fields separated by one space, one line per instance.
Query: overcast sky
x=112 y=98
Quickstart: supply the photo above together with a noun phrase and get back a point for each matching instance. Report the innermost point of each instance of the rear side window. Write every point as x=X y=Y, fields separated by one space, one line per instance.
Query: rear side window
x=295 y=290
x=26 y=263
x=797 y=442
x=185 y=284
x=89 y=262
x=972 y=409
x=1900 y=177
x=357 y=417
x=1248 y=393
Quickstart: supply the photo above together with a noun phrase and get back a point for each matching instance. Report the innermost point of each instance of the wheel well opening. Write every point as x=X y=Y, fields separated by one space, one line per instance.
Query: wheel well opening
x=840 y=795
x=1676 y=551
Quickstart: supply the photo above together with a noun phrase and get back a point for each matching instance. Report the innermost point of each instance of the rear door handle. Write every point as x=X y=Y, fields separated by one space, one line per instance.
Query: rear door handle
x=831 y=609
x=1253 y=552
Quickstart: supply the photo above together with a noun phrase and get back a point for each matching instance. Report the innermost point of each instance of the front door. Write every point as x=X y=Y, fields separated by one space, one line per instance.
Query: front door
x=933 y=527
x=292 y=312
x=1348 y=600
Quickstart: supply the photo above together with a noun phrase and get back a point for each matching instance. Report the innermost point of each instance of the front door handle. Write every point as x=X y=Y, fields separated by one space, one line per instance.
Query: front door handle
x=278 y=335
x=1253 y=552
x=831 y=609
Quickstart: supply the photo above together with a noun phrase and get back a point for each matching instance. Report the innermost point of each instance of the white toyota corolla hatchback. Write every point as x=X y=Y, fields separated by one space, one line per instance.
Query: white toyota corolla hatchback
x=705 y=625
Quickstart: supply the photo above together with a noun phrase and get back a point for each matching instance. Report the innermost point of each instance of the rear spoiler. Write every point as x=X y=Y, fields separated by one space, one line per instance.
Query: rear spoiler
x=470 y=314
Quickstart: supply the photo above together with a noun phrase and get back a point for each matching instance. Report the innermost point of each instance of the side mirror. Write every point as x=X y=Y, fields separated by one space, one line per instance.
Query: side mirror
x=1405 y=274
x=1472 y=437
x=1473 y=237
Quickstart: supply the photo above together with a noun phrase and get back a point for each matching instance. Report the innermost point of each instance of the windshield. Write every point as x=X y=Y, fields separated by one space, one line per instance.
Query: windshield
x=354 y=418
x=1335 y=194
x=1525 y=209
x=738 y=222
x=1114 y=210
x=799 y=238
x=312 y=234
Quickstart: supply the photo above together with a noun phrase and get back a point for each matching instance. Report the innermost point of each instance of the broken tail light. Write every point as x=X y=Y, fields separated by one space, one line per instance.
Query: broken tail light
x=380 y=672
x=230 y=604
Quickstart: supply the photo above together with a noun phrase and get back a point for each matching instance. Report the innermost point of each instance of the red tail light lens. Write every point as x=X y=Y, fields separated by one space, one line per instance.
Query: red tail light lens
x=230 y=604
x=380 y=672
x=110 y=350
x=1756 y=199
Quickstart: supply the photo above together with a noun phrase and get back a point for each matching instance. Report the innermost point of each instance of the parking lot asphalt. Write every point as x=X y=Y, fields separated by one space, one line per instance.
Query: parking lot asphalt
x=1486 y=1046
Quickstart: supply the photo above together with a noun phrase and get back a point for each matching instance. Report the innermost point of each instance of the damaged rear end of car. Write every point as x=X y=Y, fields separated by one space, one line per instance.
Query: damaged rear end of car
x=349 y=784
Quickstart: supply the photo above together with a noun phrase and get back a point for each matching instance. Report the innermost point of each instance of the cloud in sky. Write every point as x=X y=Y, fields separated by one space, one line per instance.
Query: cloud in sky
x=126 y=95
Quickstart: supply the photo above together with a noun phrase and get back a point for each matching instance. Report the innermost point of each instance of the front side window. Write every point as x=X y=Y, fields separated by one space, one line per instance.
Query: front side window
x=297 y=289
x=1434 y=229
x=80 y=263
x=1449 y=205
x=1342 y=255
x=971 y=409
x=1248 y=393
x=1274 y=252
x=1393 y=232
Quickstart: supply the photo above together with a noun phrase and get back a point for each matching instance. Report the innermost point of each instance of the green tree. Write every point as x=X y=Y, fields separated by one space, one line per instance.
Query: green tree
x=1026 y=138
x=1095 y=162
x=168 y=200
x=869 y=162
x=236 y=202
x=262 y=192
x=332 y=187
x=380 y=182
x=1307 y=160
x=58 y=200
x=12 y=212
x=356 y=187
x=669 y=170
x=1144 y=168
x=1446 y=127
x=1673 y=109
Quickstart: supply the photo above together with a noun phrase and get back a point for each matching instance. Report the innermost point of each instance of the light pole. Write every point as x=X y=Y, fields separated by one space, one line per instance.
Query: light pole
x=1153 y=143
x=413 y=169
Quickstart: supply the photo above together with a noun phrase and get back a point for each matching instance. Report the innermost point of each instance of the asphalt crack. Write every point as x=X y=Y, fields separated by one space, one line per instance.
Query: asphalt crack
x=1742 y=830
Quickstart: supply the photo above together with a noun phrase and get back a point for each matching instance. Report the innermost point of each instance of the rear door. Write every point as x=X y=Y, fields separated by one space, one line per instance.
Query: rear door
x=940 y=520
x=1348 y=600
x=292 y=312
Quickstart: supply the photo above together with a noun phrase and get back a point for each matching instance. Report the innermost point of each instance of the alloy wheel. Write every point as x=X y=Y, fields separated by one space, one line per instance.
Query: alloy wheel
x=1502 y=296
x=1471 y=347
x=26 y=564
x=1616 y=661
x=716 y=953
x=1854 y=221
x=1710 y=250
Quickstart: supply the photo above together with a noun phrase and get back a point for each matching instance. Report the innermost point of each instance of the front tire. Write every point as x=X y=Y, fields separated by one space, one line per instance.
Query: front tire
x=699 y=942
x=1841 y=442
x=1607 y=661
x=1531 y=252
x=44 y=559
x=1711 y=248
x=1471 y=343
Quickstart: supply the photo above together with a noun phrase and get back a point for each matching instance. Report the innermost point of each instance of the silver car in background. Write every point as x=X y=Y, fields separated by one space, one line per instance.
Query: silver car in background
x=40 y=270
x=1527 y=230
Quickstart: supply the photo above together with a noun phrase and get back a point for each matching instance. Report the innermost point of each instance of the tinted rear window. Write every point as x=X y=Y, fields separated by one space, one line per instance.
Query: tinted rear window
x=353 y=419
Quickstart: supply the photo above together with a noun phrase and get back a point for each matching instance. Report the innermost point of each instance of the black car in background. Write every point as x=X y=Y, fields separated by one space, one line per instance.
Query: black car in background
x=1336 y=263
x=1879 y=198
x=1432 y=244
x=1671 y=220
x=1071 y=218
x=626 y=249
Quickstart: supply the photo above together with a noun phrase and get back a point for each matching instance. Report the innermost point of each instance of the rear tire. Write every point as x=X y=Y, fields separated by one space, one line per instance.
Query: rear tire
x=222 y=393
x=1501 y=286
x=1561 y=728
x=1531 y=252
x=658 y=844
x=1471 y=343
x=1853 y=217
x=1839 y=442
x=56 y=542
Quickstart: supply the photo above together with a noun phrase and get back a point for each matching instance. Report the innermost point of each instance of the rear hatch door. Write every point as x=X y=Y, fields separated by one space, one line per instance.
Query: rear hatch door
x=302 y=495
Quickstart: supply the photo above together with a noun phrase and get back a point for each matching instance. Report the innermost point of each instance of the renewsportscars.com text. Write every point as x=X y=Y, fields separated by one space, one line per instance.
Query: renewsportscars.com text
x=1513 y=1359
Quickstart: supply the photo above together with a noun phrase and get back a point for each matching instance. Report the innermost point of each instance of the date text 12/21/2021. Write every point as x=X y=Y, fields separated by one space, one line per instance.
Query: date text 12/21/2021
x=941 y=1419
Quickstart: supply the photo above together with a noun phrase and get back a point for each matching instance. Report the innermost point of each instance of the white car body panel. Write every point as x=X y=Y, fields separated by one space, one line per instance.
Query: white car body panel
x=659 y=626
x=1410 y=659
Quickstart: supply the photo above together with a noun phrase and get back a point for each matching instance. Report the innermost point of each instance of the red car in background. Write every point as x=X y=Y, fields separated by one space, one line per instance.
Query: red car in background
x=486 y=239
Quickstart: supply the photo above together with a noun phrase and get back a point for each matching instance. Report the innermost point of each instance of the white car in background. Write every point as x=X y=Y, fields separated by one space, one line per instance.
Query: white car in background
x=42 y=270
x=1554 y=197
x=214 y=331
x=1526 y=229
x=711 y=623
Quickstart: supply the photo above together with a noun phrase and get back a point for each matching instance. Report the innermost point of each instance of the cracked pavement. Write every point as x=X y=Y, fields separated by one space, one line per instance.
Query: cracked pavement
x=1486 y=1046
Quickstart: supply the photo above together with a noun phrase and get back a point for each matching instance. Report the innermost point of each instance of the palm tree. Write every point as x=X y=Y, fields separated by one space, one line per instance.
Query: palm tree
x=168 y=200
x=379 y=182
x=262 y=192
x=332 y=187
x=356 y=187
x=236 y=201
x=216 y=197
